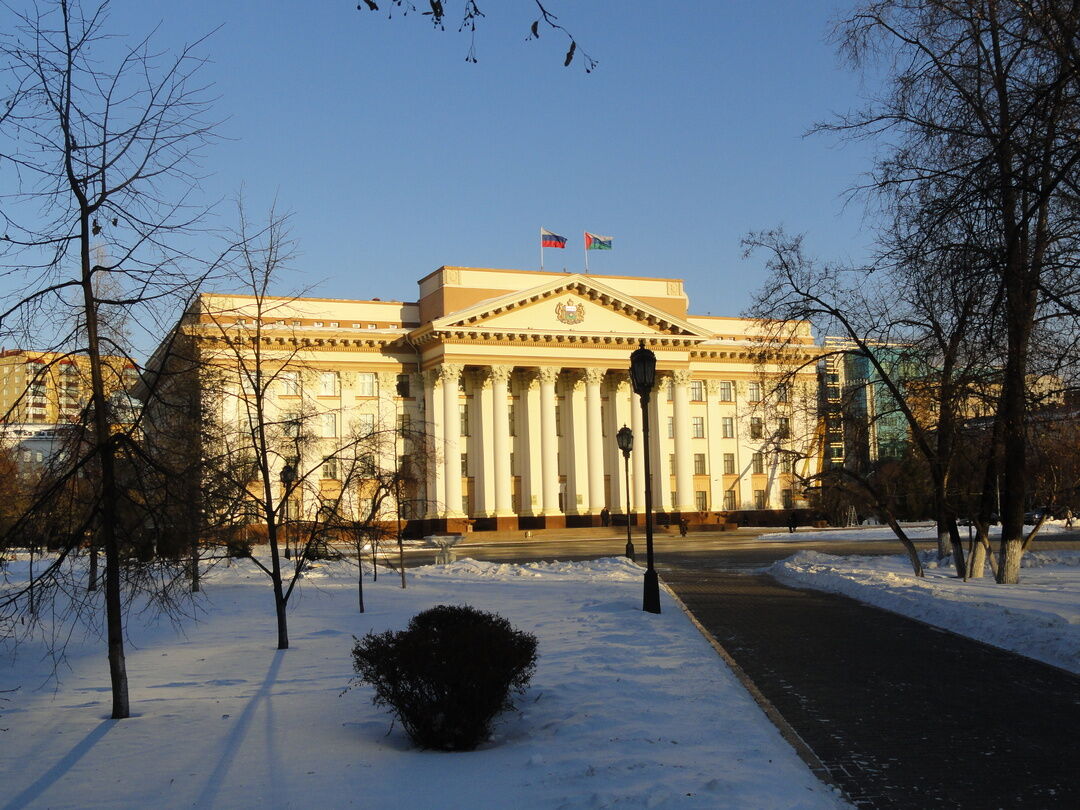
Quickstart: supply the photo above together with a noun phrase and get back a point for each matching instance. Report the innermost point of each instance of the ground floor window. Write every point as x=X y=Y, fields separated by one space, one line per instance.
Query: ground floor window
x=701 y=500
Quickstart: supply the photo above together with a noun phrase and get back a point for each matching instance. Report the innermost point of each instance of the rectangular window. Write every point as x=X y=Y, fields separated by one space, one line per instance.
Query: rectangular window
x=697 y=427
x=330 y=468
x=754 y=392
x=366 y=423
x=403 y=423
x=367 y=465
x=783 y=429
x=757 y=464
x=727 y=427
x=403 y=386
x=328 y=383
x=511 y=413
x=329 y=425
x=729 y=463
x=290 y=383
x=464 y=465
x=729 y=499
x=463 y=416
x=365 y=384
x=786 y=496
x=783 y=392
x=697 y=390
x=699 y=464
x=290 y=423
x=701 y=500
x=669 y=386
x=513 y=463
x=757 y=429
x=671 y=427
x=725 y=391
x=785 y=463
x=558 y=420
x=671 y=464
x=759 y=499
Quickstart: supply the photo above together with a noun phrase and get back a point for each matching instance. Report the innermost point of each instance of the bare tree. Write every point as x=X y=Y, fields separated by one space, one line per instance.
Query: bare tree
x=981 y=109
x=101 y=137
x=471 y=15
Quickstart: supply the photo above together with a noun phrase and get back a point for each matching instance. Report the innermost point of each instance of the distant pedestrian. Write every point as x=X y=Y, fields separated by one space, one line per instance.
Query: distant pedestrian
x=1068 y=517
x=792 y=522
x=684 y=527
x=605 y=517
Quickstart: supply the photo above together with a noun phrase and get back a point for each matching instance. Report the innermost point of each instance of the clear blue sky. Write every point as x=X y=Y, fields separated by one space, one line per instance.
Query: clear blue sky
x=396 y=156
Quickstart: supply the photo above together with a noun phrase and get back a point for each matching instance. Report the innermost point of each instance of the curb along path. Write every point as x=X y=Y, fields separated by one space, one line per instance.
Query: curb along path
x=901 y=715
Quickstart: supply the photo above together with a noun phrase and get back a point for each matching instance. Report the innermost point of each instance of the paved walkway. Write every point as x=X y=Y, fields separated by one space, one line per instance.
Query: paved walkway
x=900 y=714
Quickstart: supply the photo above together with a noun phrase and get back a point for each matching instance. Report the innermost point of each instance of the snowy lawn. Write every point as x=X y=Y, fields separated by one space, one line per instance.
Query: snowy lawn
x=1039 y=618
x=626 y=708
x=915 y=531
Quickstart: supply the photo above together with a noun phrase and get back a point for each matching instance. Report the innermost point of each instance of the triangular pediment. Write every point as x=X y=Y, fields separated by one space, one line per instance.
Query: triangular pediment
x=570 y=304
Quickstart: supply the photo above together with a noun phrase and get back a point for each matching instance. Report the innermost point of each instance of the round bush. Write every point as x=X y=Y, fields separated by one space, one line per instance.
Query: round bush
x=448 y=674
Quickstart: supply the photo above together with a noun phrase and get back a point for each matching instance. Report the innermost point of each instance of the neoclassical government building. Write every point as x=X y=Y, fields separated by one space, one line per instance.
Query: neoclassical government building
x=519 y=380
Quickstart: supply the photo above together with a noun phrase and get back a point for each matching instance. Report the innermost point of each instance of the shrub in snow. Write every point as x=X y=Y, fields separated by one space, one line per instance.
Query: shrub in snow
x=447 y=674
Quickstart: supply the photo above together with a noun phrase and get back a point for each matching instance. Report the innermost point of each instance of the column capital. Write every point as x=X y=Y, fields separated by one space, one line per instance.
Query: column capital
x=595 y=376
x=681 y=377
x=621 y=381
x=500 y=374
x=574 y=380
x=449 y=372
x=431 y=376
x=548 y=374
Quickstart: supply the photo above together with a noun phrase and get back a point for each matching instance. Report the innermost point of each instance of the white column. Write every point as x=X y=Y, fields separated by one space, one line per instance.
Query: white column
x=715 y=457
x=684 y=470
x=481 y=444
x=637 y=456
x=528 y=443
x=549 y=443
x=575 y=439
x=619 y=406
x=433 y=420
x=450 y=373
x=658 y=436
x=595 y=441
x=499 y=376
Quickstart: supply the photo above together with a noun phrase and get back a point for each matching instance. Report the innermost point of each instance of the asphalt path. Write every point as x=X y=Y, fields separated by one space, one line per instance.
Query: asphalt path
x=894 y=712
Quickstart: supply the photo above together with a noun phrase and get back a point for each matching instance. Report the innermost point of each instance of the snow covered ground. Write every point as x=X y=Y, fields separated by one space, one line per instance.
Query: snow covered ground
x=915 y=531
x=1039 y=618
x=626 y=709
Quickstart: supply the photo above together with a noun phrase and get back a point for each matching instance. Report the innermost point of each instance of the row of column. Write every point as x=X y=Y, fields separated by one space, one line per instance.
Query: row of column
x=538 y=442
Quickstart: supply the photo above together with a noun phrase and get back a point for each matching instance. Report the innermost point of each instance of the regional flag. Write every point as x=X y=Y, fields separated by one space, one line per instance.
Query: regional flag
x=549 y=239
x=594 y=242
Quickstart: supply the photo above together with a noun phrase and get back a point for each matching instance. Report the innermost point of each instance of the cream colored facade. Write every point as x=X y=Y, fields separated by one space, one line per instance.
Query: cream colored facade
x=520 y=378
x=45 y=388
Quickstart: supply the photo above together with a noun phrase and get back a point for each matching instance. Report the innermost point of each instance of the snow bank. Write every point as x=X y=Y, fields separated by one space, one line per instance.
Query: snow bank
x=1039 y=618
x=626 y=709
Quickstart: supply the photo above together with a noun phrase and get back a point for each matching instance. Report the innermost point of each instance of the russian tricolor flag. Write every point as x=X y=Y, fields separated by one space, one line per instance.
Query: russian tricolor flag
x=552 y=240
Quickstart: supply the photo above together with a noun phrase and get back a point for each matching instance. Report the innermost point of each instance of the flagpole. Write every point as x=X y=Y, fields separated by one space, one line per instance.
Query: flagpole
x=541 y=253
x=585 y=241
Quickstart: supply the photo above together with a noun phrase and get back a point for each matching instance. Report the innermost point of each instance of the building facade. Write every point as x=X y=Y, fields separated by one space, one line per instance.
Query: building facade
x=47 y=388
x=519 y=379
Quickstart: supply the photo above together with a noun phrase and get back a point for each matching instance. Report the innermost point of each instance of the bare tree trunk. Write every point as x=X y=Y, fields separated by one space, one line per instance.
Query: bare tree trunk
x=110 y=494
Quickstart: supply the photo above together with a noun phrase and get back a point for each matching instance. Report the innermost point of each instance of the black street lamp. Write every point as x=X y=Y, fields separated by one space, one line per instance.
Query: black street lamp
x=288 y=478
x=643 y=377
x=625 y=439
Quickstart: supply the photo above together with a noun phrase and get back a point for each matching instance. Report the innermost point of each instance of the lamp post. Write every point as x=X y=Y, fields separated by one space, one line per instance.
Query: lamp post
x=288 y=477
x=625 y=439
x=643 y=377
